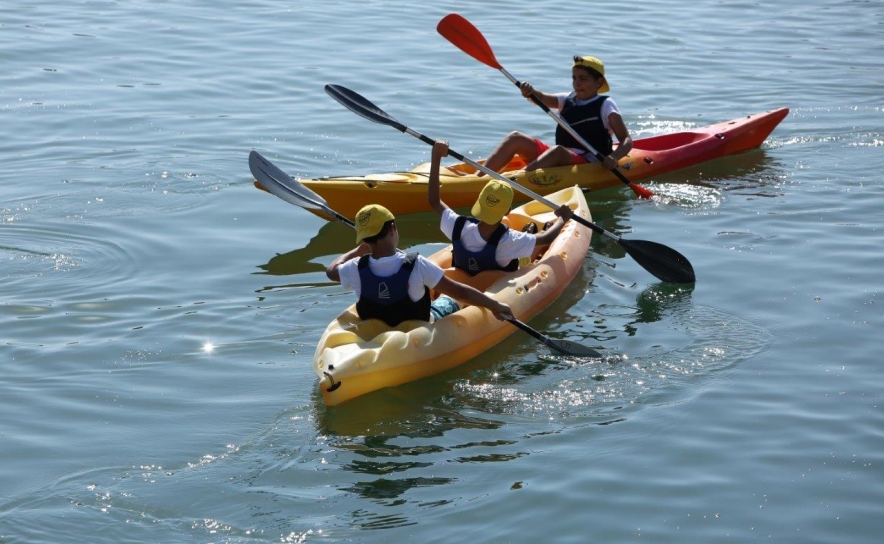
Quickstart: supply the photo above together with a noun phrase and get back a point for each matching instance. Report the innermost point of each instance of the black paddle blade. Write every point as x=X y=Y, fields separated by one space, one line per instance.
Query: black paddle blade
x=572 y=349
x=661 y=261
x=561 y=346
x=362 y=106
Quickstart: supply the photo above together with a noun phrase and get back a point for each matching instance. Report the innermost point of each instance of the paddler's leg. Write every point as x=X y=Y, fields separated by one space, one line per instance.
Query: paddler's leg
x=515 y=143
x=555 y=156
x=442 y=306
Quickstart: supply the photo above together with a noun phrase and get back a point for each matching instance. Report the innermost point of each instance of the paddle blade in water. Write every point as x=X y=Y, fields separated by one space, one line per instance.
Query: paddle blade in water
x=561 y=346
x=640 y=191
x=467 y=38
x=661 y=261
x=572 y=349
x=362 y=106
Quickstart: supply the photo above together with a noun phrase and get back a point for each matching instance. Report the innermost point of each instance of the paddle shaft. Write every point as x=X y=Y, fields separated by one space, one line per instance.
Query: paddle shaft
x=329 y=211
x=661 y=261
x=524 y=190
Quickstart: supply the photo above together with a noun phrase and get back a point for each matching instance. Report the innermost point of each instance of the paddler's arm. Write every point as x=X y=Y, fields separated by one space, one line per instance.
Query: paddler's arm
x=618 y=127
x=358 y=251
x=550 y=100
x=545 y=238
x=440 y=149
x=460 y=291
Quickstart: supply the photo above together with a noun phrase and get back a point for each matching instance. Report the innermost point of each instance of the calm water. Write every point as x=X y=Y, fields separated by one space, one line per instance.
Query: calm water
x=159 y=314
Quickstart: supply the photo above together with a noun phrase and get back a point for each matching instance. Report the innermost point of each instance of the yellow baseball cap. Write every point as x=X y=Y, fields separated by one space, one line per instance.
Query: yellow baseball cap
x=493 y=203
x=370 y=220
x=594 y=64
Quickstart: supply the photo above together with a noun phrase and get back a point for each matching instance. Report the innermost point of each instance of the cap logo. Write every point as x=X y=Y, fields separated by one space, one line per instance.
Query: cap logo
x=364 y=218
x=492 y=201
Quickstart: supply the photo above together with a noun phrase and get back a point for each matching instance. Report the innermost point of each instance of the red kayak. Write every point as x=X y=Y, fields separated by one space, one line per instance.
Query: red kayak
x=406 y=192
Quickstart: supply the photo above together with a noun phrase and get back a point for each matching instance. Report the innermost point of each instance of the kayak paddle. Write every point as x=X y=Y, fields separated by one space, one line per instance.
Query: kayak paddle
x=468 y=39
x=662 y=261
x=292 y=191
x=278 y=183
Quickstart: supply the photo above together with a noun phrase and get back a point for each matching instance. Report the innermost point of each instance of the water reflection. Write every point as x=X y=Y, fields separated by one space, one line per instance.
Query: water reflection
x=369 y=425
x=391 y=489
x=332 y=239
x=751 y=169
x=660 y=297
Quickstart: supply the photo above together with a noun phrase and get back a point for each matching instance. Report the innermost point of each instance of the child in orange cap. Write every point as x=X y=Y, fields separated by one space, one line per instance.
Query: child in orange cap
x=394 y=286
x=594 y=116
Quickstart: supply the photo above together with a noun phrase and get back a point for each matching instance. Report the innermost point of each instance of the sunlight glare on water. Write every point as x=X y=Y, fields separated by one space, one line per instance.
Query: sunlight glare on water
x=160 y=313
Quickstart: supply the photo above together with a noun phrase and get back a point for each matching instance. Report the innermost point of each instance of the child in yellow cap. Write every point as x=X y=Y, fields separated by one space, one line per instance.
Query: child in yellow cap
x=594 y=116
x=483 y=242
x=394 y=286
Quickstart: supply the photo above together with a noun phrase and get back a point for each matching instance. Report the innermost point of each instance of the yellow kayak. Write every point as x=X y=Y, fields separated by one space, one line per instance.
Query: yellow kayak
x=406 y=192
x=355 y=357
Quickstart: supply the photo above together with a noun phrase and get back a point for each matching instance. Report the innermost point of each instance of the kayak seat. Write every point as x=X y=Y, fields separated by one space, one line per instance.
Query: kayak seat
x=670 y=141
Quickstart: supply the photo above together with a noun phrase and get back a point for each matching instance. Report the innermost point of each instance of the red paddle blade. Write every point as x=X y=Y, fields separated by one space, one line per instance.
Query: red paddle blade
x=640 y=191
x=467 y=38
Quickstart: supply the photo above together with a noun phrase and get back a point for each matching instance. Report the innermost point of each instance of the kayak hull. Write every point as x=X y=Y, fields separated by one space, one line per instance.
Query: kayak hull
x=364 y=356
x=406 y=192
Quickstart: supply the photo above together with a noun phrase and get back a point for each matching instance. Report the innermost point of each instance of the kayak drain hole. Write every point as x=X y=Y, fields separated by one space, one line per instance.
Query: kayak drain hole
x=720 y=136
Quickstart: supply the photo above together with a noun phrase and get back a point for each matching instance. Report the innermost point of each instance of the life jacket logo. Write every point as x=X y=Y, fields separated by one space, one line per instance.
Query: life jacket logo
x=383 y=291
x=473 y=264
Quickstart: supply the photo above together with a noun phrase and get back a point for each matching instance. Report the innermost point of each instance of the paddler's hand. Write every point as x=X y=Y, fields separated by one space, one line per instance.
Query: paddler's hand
x=610 y=162
x=502 y=311
x=565 y=212
x=527 y=89
x=362 y=249
x=440 y=149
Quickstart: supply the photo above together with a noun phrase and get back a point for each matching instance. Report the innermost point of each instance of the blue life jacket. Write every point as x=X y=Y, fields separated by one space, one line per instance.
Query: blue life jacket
x=586 y=121
x=473 y=262
x=387 y=298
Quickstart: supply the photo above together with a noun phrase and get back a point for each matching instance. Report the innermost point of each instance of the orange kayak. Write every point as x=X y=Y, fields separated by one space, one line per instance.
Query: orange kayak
x=406 y=192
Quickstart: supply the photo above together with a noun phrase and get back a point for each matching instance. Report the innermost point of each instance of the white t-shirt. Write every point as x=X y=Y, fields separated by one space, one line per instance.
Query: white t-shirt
x=608 y=108
x=512 y=245
x=424 y=273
